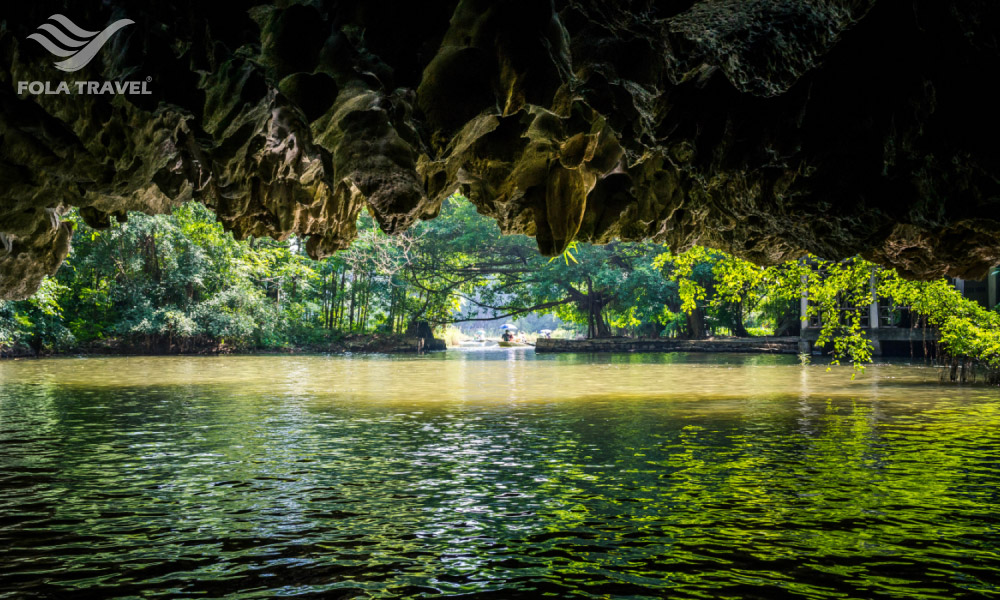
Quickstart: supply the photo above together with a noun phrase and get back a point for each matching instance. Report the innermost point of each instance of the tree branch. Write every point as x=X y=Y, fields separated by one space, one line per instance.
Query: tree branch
x=521 y=311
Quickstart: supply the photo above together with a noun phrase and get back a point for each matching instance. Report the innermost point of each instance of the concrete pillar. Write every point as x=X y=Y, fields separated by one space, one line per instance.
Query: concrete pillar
x=873 y=307
x=805 y=347
x=876 y=347
x=960 y=286
x=804 y=302
x=991 y=284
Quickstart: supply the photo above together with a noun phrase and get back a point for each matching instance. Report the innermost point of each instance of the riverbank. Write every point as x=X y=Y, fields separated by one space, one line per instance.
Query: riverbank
x=369 y=343
x=381 y=343
x=763 y=345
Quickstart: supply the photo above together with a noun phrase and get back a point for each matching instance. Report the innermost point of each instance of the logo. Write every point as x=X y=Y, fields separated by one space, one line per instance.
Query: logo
x=77 y=45
x=65 y=39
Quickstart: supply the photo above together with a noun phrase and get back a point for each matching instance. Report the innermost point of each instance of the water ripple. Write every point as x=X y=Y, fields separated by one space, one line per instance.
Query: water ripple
x=232 y=484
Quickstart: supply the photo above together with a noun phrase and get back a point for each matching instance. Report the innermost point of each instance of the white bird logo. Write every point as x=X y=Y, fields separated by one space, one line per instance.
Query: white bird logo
x=66 y=41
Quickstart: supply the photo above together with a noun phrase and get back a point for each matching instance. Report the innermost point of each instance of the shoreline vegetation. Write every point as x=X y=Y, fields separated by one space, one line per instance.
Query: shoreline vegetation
x=382 y=343
x=357 y=343
x=179 y=283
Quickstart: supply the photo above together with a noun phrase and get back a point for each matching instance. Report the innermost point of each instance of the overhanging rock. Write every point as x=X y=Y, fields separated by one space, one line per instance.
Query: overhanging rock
x=766 y=128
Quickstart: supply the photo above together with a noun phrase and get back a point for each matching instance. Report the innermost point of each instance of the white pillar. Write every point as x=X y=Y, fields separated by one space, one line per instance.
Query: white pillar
x=960 y=286
x=991 y=283
x=873 y=307
x=804 y=303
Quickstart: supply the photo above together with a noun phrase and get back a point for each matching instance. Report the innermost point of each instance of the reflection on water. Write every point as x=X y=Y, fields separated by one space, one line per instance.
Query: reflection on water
x=494 y=474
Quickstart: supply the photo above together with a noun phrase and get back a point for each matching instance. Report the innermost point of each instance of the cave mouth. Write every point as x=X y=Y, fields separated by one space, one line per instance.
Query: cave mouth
x=765 y=129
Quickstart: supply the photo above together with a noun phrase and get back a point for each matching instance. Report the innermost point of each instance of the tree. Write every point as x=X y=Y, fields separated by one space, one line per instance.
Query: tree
x=179 y=282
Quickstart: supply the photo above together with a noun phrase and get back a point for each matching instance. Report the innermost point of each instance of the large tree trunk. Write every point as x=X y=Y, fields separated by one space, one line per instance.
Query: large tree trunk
x=600 y=325
x=341 y=297
x=366 y=294
x=392 y=308
x=739 y=329
x=593 y=311
x=362 y=299
x=790 y=324
x=395 y=310
x=696 y=324
x=401 y=316
x=333 y=299
x=354 y=293
x=328 y=297
x=151 y=259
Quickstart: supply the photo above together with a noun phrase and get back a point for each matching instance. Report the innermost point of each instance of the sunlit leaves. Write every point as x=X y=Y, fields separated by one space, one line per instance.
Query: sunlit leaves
x=567 y=254
x=839 y=294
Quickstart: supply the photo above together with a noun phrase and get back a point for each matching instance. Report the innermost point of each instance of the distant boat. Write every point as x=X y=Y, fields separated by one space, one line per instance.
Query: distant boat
x=504 y=344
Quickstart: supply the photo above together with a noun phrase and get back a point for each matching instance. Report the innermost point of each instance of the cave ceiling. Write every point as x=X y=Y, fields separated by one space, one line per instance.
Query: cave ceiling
x=766 y=128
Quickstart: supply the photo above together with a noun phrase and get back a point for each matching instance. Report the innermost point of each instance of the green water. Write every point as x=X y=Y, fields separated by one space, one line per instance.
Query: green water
x=494 y=474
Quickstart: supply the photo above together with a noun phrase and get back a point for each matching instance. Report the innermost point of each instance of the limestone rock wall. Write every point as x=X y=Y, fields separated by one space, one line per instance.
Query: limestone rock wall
x=762 y=127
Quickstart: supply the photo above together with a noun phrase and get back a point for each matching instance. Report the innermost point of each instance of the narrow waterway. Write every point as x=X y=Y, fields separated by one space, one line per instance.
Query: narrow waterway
x=494 y=474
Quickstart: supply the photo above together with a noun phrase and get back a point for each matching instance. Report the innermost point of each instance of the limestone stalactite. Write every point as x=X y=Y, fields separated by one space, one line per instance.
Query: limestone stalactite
x=767 y=128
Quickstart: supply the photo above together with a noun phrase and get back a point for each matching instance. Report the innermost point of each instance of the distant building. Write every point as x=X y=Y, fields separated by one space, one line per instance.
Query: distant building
x=985 y=291
x=891 y=328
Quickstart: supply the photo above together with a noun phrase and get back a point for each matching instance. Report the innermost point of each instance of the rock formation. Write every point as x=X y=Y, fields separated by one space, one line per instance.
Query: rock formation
x=762 y=127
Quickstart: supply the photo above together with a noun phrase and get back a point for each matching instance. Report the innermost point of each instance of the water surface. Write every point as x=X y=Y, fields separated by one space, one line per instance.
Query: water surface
x=494 y=474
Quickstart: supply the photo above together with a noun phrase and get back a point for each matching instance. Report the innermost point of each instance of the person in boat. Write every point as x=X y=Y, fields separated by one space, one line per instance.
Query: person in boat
x=506 y=336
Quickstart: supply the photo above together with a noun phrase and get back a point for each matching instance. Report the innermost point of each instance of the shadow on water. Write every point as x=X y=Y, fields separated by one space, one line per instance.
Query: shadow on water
x=494 y=475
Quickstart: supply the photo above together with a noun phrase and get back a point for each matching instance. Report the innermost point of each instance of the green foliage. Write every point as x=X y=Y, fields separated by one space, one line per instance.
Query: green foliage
x=967 y=329
x=180 y=282
x=840 y=294
x=36 y=323
x=730 y=291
